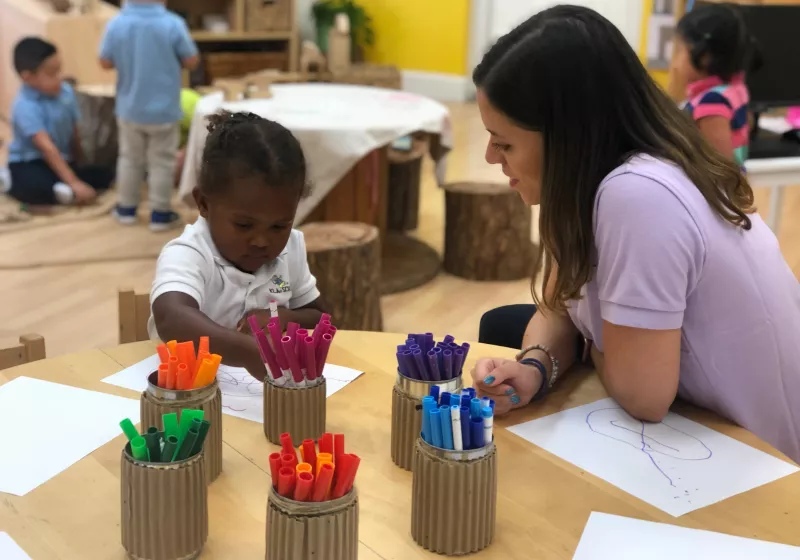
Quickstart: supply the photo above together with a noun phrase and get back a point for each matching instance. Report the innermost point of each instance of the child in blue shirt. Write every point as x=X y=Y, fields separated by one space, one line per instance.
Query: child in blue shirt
x=45 y=153
x=148 y=45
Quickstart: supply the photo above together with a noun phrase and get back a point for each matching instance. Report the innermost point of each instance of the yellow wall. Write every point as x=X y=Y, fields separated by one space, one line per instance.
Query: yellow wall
x=427 y=35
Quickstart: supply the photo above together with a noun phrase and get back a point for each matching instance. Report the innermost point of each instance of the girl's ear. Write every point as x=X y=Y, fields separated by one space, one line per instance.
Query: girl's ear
x=201 y=200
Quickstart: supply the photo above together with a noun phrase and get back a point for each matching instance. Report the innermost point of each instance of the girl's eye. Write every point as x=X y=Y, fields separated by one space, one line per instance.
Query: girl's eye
x=500 y=147
x=243 y=226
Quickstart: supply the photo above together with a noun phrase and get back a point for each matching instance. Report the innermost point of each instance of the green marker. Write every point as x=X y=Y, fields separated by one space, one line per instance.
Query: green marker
x=139 y=449
x=185 y=425
x=129 y=429
x=201 y=437
x=170 y=425
x=153 y=446
x=188 y=444
x=152 y=430
x=170 y=447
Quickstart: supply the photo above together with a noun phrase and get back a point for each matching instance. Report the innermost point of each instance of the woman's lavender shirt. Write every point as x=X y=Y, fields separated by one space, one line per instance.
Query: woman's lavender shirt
x=665 y=260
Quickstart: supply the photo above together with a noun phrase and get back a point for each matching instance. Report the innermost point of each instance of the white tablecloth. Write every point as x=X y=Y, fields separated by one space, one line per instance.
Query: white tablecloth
x=337 y=125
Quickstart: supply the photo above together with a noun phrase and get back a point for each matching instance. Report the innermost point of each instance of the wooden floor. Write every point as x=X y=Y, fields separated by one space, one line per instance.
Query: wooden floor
x=74 y=305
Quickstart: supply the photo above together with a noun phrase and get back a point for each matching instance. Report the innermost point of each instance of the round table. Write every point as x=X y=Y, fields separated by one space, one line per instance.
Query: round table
x=543 y=502
x=337 y=125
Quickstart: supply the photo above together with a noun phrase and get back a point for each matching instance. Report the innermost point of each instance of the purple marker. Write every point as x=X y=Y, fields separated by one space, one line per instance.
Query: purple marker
x=448 y=364
x=465 y=348
x=434 y=366
x=401 y=365
x=411 y=366
x=458 y=362
x=402 y=347
x=448 y=339
x=423 y=371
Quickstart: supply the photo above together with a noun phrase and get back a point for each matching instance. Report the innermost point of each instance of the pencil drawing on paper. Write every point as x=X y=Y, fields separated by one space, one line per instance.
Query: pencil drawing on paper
x=239 y=383
x=656 y=440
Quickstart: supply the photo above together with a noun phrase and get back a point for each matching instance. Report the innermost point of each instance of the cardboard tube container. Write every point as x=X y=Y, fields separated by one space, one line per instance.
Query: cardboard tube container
x=407 y=414
x=155 y=402
x=164 y=508
x=312 y=530
x=298 y=411
x=454 y=499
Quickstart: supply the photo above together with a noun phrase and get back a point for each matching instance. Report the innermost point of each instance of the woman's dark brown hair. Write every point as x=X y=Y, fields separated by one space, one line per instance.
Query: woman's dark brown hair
x=568 y=73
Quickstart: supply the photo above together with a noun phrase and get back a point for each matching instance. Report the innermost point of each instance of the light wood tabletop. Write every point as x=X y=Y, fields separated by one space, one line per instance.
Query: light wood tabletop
x=543 y=501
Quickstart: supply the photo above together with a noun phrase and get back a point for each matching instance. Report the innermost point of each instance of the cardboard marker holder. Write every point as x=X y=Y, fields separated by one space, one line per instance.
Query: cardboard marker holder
x=312 y=530
x=164 y=508
x=155 y=402
x=407 y=397
x=298 y=411
x=454 y=499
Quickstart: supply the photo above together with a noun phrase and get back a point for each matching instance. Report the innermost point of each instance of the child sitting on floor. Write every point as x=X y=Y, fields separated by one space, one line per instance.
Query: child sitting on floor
x=44 y=157
x=242 y=252
x=713 y=51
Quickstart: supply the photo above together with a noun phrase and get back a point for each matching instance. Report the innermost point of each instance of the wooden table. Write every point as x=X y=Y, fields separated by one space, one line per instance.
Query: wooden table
x=543 y=502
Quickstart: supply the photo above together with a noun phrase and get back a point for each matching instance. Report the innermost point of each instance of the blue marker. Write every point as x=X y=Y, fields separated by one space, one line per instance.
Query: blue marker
x=435 y=393
x=491 y=404
x=436 y=428
x=444 y=399
x=428 y=404
x=475 y=408
x=465 y=439
x=465 y=398
x=475 y=432
x=471 y=392
x=447 y=427
x=488 y=424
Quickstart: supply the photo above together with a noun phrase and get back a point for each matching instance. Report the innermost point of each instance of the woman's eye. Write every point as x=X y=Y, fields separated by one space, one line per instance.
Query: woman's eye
x=500 y=147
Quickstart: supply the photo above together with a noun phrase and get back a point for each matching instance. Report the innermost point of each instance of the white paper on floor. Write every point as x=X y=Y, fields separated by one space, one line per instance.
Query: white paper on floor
x=676 y=465
x=242 y=394
x=9 y=550
x=610 y=537
x=46 y=427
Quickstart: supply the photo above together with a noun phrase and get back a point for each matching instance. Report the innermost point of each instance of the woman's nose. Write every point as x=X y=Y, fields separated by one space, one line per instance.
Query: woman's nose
x=493 y=157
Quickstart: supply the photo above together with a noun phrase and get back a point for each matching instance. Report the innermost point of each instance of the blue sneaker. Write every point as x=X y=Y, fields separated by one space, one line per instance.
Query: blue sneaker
x=163 y=221
x=125 y=215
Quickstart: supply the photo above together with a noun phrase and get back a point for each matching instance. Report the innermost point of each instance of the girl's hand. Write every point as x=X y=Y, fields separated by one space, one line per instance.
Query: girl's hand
x=510 y=384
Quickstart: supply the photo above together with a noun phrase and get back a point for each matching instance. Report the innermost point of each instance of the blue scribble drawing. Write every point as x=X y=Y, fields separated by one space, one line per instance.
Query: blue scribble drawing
x=616 y=424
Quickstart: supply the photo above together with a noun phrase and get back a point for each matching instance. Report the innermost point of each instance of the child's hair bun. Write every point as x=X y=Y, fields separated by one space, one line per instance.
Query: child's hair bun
x=223 y=120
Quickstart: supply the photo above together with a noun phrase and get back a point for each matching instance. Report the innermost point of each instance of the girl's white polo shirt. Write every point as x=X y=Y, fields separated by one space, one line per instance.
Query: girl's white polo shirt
x=192 y=265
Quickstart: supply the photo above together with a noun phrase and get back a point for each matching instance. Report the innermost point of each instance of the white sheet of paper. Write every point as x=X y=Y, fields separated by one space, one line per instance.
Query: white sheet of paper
x=9 y=550
x=676 y=465
x=610 y=537
x=50 y=427
x=242 y=394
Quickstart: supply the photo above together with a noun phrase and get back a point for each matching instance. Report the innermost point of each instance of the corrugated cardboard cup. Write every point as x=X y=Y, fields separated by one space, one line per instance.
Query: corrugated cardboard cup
x=164 y=508
x=454 y=499
x=407 y=397
x=312 y=530
x=298 y=411
x=155 y=402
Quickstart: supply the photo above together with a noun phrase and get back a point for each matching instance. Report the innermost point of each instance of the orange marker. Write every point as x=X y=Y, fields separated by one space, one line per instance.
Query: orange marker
x=304 y=467
x=323 y=458
x=201 y=356
x=173 y=366
x=205 y=375
x=187 y=356
x=184 y=378
x=216 y=359
x=172 y=379
x=163 y=371
x=163 y=353
x=203 y=346
x=172 y=346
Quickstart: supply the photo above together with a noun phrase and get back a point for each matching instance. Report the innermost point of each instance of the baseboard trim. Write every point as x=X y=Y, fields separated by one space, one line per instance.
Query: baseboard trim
x=439 y=86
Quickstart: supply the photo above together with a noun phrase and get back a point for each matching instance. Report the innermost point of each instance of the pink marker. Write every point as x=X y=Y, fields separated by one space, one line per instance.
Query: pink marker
x=291 y=355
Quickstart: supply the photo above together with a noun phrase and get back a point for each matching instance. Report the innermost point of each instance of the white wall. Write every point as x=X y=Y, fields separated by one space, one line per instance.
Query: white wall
x=304 y=19
x=494 y=18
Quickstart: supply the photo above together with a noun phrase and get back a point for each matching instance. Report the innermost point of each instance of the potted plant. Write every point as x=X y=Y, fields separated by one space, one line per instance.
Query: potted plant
x=324 y=13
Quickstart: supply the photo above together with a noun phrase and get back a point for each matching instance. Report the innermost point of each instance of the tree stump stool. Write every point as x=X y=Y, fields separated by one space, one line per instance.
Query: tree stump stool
x=345 y=257
x=405 y=178
x=98 y=124
x=487 y=233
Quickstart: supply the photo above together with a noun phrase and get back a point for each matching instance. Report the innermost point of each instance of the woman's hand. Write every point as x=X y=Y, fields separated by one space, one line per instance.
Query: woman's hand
x=510 y=384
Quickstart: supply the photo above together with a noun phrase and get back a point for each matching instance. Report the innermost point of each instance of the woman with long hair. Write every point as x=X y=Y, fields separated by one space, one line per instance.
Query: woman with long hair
x=655 y=261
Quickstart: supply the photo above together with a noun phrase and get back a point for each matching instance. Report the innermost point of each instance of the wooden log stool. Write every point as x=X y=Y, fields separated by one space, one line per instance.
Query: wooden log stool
x=98 y=124
x=345 y=257
x=405 y=178
x=487 y=233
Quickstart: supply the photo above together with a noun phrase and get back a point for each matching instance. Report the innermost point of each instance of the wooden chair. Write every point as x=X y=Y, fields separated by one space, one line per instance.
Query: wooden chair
x=30 y=349
x=134 y=312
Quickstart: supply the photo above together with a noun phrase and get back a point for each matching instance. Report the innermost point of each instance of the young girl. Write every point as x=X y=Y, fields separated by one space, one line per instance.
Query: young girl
x=242 y=252
x=713 y=51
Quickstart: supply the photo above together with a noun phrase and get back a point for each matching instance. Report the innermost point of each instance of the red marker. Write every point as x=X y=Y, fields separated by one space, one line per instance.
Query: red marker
x=309 y=452
x=274 y=468
x=288 y=460
x=286 y=481
x=323 y=483
x=346 y=468
x=338 y=447
x=286 y=444
x=303 y=487
x=326 y=443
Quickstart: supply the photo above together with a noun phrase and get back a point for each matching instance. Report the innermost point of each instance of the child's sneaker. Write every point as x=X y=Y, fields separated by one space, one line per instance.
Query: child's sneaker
x=125 y=215
x=163 y=221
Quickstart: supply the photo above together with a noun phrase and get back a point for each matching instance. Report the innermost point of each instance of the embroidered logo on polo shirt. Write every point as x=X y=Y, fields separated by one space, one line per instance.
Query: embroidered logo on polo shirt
x=281 y=285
